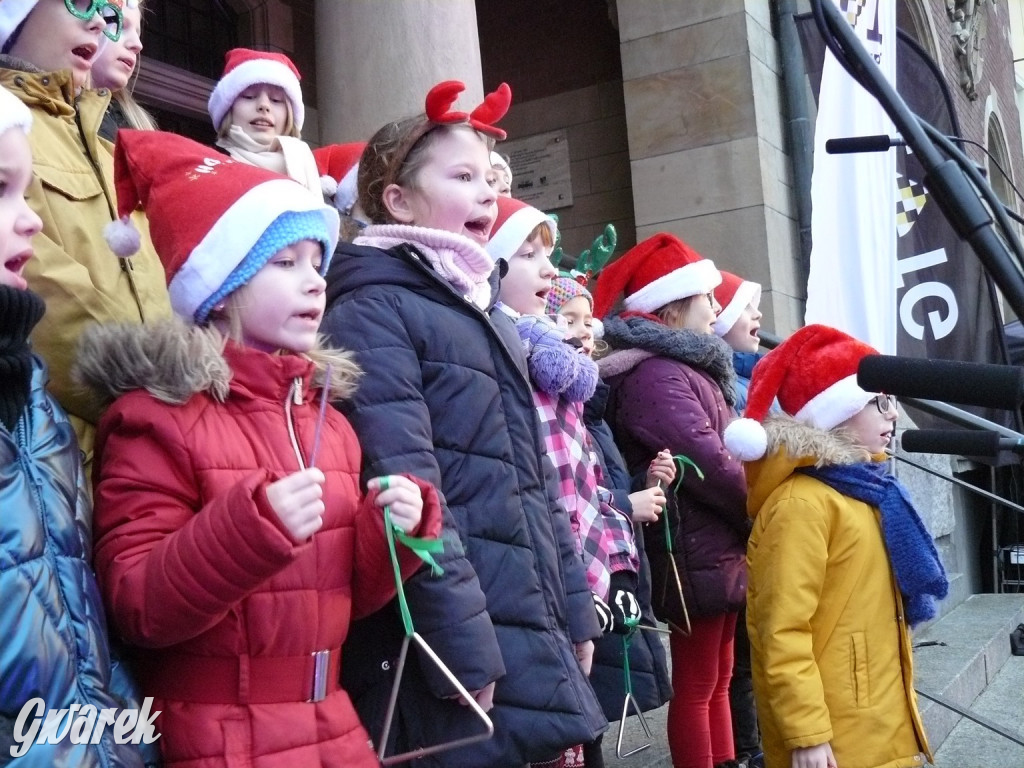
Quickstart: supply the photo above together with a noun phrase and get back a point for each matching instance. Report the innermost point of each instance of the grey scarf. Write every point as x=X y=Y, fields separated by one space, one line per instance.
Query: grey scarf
x=703 y=351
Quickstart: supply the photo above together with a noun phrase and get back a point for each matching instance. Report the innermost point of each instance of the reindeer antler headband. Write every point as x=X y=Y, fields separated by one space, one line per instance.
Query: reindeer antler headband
x=437 y=111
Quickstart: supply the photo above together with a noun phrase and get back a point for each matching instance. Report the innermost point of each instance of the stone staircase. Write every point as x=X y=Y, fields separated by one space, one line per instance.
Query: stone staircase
x=963 y=657
x=973 y=669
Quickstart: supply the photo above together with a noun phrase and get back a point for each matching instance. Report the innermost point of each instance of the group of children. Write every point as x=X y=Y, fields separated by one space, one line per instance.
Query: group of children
x=253 y=452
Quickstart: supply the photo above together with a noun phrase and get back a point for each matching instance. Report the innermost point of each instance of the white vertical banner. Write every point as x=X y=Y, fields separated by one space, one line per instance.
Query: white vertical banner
x=852 y=281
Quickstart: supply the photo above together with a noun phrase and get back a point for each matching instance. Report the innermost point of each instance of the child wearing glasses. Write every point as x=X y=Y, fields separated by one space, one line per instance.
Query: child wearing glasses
x=840 y=564
x=47 y=48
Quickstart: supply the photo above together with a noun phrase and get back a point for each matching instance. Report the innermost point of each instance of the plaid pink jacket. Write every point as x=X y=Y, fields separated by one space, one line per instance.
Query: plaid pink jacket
x=603 y=534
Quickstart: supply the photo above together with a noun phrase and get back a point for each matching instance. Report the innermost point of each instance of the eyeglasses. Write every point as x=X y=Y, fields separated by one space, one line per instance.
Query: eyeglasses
x=884 y=402
x=111 y=13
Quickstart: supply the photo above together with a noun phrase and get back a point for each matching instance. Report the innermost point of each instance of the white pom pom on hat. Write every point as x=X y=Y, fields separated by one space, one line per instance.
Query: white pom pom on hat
x=329 y=186
x=123 y=237
x=813 y=374
x=746 y=439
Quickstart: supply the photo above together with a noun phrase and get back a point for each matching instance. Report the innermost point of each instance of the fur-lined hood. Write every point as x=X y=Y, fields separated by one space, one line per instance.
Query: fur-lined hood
x=174 y=360
x=793 y=444
x=637 y=338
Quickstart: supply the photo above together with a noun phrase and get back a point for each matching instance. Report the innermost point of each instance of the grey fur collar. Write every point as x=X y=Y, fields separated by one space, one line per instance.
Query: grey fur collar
x=7 y=61
x=173 y=360
x=829 y=447
x=636 y=335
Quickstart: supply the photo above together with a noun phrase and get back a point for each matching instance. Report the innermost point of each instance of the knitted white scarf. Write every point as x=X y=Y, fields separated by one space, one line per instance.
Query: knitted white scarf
x=283 y=154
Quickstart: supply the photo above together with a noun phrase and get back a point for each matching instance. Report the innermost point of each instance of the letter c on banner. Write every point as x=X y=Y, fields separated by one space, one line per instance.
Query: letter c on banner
x=940 y=326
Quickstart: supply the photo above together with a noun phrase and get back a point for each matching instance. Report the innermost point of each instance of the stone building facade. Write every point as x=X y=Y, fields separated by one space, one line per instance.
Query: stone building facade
x=673 y=112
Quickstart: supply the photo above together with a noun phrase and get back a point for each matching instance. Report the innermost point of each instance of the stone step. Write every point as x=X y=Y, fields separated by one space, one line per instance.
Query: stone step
x=969 y=744
x=975 y=645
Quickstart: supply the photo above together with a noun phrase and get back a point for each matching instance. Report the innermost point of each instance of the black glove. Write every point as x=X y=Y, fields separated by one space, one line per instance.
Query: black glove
x=605 y=619
x=624 y=605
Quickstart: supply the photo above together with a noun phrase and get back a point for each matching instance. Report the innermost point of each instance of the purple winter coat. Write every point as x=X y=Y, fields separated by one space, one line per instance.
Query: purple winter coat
x=669 y=390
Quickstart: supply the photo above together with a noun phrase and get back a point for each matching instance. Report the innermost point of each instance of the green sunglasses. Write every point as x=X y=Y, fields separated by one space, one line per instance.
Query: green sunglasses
x=111 y=14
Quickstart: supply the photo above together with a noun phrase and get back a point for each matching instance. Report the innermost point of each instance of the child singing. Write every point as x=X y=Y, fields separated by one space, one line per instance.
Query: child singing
x=446 y=397
x=233 y=543
x=257 y=110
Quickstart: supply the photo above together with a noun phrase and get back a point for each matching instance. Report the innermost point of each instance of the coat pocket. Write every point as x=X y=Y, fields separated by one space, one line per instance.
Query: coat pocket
x=76 y=184
x=859 y=669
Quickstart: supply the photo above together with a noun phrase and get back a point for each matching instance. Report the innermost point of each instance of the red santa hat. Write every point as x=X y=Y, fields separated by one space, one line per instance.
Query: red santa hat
x=813 y=374
x=653 y=273
x=214 y=222
x=516 y=220
x=339 y=170
x=244 y=67
x=734 y=295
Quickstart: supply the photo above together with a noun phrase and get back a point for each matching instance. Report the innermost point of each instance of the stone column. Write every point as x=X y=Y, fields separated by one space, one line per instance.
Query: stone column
x=375 y=61
x=702 y=90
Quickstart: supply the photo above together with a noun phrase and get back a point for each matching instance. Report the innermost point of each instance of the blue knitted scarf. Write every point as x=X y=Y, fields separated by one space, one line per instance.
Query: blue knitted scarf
x=919 y=573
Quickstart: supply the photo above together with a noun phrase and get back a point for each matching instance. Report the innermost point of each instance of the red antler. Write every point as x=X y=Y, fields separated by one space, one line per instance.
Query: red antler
x=491 y=111
x=440 y=100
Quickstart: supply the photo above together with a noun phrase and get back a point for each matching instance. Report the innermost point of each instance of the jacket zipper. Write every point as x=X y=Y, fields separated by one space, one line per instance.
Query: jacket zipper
x=127 y=265
x=21 y=434
x=294 y=396
x=466 y=304
x=23 y=451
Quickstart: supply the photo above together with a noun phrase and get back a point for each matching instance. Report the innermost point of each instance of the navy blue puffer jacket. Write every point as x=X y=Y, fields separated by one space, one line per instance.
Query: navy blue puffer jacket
x=445 y=396
x=54 y=636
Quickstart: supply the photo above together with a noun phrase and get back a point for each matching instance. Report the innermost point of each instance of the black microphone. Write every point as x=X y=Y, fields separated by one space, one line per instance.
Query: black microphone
x=959 y=442
x=951 y=381
x=877 y=143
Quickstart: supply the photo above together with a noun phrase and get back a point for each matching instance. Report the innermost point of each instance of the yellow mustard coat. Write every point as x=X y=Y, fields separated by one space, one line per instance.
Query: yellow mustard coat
x=830 y=651
x=74 y=270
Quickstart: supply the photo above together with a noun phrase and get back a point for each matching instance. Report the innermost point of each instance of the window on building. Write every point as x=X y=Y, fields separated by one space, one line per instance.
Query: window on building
x=999 y=154
x=193 y=35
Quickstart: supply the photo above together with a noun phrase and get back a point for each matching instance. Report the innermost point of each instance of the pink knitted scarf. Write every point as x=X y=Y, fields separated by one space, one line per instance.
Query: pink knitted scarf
x=456 y=258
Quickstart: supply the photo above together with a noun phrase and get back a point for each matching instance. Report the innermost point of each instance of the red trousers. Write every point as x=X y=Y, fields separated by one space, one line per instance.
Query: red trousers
x=699 y=720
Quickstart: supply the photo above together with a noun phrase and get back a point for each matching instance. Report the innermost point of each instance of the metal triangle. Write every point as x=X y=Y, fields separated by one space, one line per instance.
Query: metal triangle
x=684 y=629
x=630 y=699
x=393 y=701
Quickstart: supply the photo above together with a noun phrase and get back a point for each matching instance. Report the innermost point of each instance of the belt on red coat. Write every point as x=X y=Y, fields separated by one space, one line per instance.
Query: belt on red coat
x=240 y=679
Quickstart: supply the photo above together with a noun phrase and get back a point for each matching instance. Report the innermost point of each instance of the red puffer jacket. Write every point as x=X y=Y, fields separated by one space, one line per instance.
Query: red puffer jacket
x=224 y=612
